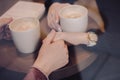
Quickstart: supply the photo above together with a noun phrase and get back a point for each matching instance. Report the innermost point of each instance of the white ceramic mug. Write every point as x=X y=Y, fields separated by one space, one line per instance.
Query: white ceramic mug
x=26 y=34
x=74 y=18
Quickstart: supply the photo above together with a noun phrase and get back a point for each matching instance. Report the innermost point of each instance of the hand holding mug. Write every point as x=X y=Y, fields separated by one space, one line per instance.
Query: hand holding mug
x=53 y=15
x=4 y=21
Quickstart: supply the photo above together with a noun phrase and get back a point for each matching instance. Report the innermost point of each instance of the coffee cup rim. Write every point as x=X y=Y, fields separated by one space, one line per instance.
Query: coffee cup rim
x=69 y=6
x=37 y=20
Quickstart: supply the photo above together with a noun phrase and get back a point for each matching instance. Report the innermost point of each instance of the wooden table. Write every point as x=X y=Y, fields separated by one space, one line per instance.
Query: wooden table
x=11 y=59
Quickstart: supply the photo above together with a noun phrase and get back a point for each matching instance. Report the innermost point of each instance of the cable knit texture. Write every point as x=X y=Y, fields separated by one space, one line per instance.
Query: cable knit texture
x=35 y=74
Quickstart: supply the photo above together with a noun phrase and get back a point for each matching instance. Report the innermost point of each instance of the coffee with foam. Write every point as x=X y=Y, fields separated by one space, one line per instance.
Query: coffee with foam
x=23 y=27
x=72 y=15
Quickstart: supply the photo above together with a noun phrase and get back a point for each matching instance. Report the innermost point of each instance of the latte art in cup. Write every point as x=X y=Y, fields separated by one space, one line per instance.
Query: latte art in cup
x=24 y=27
x=72 y=15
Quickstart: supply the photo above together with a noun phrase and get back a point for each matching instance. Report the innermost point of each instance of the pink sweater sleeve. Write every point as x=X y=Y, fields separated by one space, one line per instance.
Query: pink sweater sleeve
x=35 y=74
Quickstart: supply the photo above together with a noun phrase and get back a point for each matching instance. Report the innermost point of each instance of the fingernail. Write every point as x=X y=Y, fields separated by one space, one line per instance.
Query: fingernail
x=57 y=20
x=52 y=30
x=59 y=29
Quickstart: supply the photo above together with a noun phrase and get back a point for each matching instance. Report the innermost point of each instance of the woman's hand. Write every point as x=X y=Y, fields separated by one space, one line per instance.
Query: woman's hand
x=53 y=15
x=75 y=38
x=52 y=55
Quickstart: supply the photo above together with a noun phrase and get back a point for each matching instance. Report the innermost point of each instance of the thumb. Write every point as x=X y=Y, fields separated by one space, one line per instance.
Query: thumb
x=4 y=21
x=49 y=37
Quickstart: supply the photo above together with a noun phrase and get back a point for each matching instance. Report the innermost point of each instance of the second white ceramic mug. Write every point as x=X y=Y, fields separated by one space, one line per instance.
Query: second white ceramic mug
x=25 y=40
x=74 y=18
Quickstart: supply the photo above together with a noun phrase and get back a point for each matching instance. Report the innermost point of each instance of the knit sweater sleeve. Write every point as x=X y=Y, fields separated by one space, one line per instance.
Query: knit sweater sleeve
x=35 y=74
